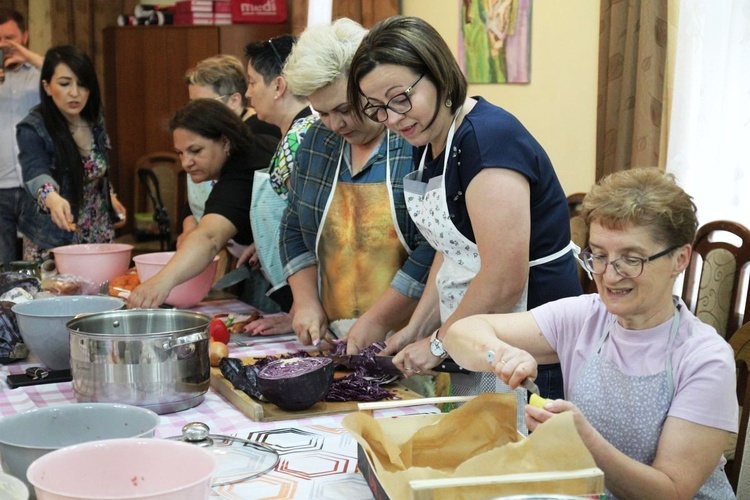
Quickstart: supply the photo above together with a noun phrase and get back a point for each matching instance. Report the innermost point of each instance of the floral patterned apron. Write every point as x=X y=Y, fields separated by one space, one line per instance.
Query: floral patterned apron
x=266 y=210
x=428 y=208
x=634 y=428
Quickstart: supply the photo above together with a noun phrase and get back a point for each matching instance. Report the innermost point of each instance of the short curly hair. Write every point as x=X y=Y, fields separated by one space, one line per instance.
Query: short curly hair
x=322 y=55
x=643 y=197
x=225 y=74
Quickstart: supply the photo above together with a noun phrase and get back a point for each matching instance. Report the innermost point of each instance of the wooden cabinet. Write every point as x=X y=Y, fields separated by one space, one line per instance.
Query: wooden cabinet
x=143 y=71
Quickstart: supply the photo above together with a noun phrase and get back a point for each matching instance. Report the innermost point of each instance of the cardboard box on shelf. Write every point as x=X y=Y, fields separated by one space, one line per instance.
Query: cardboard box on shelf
x=258 y=11
x=439 y=456
x=194 y=6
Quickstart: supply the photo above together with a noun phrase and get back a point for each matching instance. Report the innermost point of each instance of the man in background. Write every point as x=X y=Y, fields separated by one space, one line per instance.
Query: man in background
x=19 y=92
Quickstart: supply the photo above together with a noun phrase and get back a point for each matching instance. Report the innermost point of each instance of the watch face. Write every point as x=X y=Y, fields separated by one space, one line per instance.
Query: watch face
x=436 y=347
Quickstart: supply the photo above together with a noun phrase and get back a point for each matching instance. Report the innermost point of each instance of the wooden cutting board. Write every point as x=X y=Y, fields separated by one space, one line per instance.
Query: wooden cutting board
x=268 y=412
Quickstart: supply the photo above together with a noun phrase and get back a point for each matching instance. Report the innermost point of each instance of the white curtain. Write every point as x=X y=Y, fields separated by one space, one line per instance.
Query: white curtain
x=709 y=138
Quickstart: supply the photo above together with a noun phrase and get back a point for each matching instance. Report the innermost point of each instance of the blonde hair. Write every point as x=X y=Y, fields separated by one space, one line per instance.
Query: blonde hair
x=643 y=197
x=322 y=55
x=225 y=74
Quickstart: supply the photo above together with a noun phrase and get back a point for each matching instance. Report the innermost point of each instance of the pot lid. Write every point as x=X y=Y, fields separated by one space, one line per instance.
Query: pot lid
x=238 y=459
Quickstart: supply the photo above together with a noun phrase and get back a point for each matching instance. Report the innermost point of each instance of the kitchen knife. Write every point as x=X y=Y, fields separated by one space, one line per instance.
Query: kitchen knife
x=526 y=384
x=385 y=363
x=232 y=277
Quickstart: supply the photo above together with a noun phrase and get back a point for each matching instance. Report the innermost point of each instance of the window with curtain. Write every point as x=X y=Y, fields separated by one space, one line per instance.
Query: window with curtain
x=709 y=143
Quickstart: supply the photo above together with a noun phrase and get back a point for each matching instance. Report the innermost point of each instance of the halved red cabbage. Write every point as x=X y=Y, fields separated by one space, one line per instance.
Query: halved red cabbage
x=295 y=384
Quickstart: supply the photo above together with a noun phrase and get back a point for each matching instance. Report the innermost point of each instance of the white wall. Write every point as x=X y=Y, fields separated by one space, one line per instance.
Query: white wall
x=559 y=105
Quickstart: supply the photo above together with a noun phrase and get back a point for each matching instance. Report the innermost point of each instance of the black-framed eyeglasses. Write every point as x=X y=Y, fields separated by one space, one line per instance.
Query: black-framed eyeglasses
x=399 y=103
x=625 y=266
x=276 y=52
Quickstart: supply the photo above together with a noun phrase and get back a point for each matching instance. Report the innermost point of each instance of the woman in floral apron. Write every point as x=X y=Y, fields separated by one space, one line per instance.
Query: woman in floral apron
x=652 y=388
x=485 y=195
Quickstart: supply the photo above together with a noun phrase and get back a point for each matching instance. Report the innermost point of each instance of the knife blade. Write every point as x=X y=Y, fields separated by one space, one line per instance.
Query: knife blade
x=386 y=364
x=232 y=277
x=351 y=362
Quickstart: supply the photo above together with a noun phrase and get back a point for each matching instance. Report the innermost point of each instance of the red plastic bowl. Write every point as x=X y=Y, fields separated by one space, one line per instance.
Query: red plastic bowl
x=184 y=295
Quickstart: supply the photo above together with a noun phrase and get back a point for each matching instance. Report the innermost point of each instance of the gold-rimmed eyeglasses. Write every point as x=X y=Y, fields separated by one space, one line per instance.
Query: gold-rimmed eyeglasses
x=399 y=103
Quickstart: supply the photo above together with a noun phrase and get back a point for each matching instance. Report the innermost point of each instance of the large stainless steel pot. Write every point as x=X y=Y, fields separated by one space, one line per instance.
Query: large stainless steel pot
x=153 y=358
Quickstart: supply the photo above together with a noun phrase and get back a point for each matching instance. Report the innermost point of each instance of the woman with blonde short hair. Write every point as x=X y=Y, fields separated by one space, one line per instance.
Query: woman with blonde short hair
x=346 y=226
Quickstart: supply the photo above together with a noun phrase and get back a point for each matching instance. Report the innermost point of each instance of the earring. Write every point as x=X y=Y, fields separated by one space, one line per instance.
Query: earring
x=448 y=103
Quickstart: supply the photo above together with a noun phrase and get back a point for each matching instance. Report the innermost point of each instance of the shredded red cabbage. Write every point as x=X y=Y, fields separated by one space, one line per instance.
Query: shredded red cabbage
x=362 y=385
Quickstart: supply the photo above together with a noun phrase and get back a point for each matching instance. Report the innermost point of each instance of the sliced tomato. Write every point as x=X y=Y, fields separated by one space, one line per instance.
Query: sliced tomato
x=218 y=331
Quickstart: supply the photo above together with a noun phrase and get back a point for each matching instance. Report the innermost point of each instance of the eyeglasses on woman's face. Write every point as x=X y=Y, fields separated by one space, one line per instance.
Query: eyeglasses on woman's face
x=400 y=103
x=626 y=266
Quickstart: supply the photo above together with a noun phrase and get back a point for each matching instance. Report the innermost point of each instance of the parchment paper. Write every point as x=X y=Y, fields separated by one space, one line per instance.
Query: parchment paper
x=477 y=439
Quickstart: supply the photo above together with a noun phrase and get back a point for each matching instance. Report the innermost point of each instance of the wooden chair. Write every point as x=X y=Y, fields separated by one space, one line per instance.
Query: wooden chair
x=715 y=283
x=163 y=167
x=579 y=233
x=738 y=468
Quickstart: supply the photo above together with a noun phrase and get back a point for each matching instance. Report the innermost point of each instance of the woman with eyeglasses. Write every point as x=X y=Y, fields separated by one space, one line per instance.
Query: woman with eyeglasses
x=485 y=195
x=350 y=252
x=651 y=387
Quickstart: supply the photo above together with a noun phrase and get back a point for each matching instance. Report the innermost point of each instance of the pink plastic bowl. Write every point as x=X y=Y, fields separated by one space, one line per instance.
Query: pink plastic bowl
x=98 y=262
x=153 y=469
x=186 y=294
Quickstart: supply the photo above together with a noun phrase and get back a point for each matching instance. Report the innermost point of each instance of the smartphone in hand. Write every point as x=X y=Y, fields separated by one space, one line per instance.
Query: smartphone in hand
x=2 y=66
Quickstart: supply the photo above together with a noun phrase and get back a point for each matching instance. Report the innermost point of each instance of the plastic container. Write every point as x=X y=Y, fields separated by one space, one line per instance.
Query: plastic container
x=41 y=323
x=97 y=262
x=147 y=469
x=186 y=294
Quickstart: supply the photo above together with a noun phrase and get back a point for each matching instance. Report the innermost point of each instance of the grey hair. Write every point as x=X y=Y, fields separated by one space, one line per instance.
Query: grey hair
x=322 y=54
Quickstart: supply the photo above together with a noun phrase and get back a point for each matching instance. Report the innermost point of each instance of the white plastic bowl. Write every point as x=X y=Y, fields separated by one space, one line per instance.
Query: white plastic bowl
x=41 y=323
x=24 y=437
x=184 y=295
x=97 y=262
x=12 y=488
x=147 y=469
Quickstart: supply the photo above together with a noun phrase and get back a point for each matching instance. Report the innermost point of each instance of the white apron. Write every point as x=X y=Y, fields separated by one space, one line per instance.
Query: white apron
x=342 y=244
x=641 y=404
x=428 y=208
x=197 y=195
x=266 y=210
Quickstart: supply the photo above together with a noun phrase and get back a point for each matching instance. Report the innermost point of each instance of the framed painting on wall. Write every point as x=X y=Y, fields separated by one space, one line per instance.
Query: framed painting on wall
x=494 y=40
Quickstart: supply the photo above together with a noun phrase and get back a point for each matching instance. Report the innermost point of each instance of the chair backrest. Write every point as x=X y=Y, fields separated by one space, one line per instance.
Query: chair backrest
x=574 y=203
x=171 y=179
x=738 y=468
x=715 y=282
x=579 y=233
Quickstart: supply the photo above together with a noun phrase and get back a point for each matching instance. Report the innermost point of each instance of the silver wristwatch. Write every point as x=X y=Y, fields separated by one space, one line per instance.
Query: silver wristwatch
x=436 y=346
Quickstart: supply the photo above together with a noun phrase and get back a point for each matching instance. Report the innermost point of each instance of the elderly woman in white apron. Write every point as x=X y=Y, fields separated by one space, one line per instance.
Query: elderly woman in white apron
x=651 y=386
x=485 y=196
x=351 y=253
